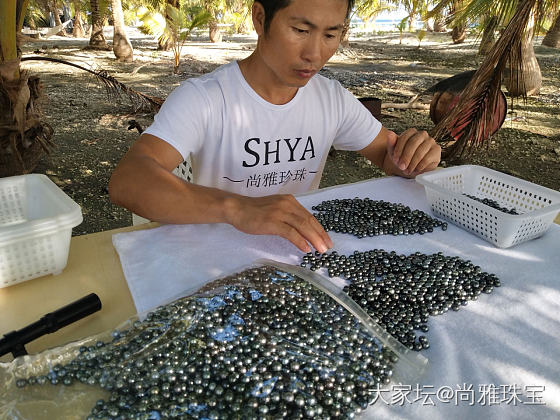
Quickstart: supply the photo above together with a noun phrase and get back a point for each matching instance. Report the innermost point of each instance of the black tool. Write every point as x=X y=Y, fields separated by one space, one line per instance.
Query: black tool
x=15 y=341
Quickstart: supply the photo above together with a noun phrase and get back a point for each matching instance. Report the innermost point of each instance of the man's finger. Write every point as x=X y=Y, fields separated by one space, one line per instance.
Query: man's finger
x=421 y=151
x=428 y=163
x=400 y=145
x=291 y=234
x=310 y=229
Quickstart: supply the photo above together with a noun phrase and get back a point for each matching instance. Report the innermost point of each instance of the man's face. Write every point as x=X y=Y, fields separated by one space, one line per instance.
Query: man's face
x=301 y=39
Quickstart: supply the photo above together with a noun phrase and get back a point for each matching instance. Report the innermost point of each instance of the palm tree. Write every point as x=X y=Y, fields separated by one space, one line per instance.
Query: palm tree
x=471 y=120
x=23 y=135
x=504 y=10
x=121 y=45
x=78 y=29
x=366 y=10
x=488 y=34
x=175 y=28
x=216 y=9
x=53 y=7
x=97 y=39
x=552 y=37
x=459 y=27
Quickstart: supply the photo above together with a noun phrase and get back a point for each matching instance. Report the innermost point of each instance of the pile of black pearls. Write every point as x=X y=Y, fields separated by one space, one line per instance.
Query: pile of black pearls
x=366 y=217
x=400 y=292
x=258 y=344
x=493 y=203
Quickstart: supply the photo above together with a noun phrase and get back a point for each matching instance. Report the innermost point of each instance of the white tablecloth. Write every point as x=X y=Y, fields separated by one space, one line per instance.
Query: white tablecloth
x=497 y=358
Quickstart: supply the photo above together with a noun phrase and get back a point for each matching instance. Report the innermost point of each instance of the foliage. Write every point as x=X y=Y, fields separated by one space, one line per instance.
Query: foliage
x=420 y=34
x=37 y=14
x=369 y=9
x=175 y=26
x=401 y=27
x=415 y=9
x=504 y=10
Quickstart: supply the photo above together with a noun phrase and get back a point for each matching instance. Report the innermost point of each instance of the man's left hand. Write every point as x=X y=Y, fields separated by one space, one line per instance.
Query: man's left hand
x=413 y=152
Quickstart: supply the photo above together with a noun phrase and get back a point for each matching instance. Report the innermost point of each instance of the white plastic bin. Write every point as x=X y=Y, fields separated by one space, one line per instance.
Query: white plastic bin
x=36 y=221
x=537 y=206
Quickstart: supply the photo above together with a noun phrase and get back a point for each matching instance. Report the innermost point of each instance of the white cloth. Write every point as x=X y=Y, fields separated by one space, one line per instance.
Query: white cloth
x=241 y=143
x=508 y=338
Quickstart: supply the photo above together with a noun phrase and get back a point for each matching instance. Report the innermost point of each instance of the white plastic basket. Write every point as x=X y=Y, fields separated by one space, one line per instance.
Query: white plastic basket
x=537 y=206
x=36 y=221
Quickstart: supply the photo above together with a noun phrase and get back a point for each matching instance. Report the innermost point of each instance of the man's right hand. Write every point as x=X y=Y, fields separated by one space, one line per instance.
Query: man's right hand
x=143 y=183
x=280 y=215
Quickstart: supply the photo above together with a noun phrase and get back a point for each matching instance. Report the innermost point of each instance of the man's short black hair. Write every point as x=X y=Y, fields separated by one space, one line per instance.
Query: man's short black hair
x=272 y=6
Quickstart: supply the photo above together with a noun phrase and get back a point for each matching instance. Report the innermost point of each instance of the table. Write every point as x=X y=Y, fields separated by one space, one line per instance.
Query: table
x=93 y=266
x=508 y=339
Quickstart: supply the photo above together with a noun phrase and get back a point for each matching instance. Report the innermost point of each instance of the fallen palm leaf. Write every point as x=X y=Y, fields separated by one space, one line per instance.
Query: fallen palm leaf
x=139 y=100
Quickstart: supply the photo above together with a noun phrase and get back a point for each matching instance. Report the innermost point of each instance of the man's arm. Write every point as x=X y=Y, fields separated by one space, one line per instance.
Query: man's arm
x=143 y=183
x=407 y=155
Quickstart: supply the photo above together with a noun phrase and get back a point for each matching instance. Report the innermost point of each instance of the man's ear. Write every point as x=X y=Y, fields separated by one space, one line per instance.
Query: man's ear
x=257 y=14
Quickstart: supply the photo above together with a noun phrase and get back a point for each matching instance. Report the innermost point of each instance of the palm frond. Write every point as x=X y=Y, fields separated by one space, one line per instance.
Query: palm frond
x=155 y=24
x=368 y=10
x=471 y=120
x=140 y=101
x=438 y=9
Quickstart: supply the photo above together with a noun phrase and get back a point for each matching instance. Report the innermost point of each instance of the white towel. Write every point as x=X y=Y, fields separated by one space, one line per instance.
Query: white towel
x=504 y=346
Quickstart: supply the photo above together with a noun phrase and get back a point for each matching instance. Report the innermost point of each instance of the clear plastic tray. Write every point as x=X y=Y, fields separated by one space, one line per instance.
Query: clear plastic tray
x=36 y=221
x=537 y=206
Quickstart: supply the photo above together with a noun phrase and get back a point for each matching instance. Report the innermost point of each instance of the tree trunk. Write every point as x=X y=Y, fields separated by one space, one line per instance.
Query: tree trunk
x=488 y=38
x=458 y=34
x=23 y=135
x=78 y=29
x=54 y=10
x=532 y=72
x=429 y=25
x=459 y=31
x=167 y=44
x=439 y=24
x=97 y=39
x=345 y=38
x=214 y=31
x=121 y=45
x=552 y=37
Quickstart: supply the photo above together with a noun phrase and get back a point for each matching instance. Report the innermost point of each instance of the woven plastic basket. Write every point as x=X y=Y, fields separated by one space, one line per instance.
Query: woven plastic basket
x=36 y=221
x=537 y=206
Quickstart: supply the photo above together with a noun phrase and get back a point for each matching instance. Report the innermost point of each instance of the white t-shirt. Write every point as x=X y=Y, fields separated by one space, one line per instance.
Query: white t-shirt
x=241 y=143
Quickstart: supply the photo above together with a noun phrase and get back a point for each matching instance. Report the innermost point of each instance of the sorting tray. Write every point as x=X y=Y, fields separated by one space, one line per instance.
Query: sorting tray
x=537 y=206
x=36 y=221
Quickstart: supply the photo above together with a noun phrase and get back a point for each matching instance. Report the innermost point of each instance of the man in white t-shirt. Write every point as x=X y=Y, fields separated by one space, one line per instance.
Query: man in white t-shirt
x=259 y=130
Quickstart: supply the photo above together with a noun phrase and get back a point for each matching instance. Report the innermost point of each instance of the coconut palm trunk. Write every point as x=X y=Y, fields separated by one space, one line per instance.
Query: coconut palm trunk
x=23 y=135
x=488 y=39
x=459 y=31
x=439 y=24
x=531 y=82
x=345 y=38
x=121 y=45
x=214 y=32
x=97 y=39
x=552 y=37
x=53 y=7
x=78 y=29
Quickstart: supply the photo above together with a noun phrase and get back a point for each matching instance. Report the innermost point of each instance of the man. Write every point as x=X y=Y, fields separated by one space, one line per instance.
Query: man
x=259 y=130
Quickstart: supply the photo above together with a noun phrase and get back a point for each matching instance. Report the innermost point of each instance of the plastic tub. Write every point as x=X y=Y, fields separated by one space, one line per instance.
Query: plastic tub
x=36 y=221
x=537 y=206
